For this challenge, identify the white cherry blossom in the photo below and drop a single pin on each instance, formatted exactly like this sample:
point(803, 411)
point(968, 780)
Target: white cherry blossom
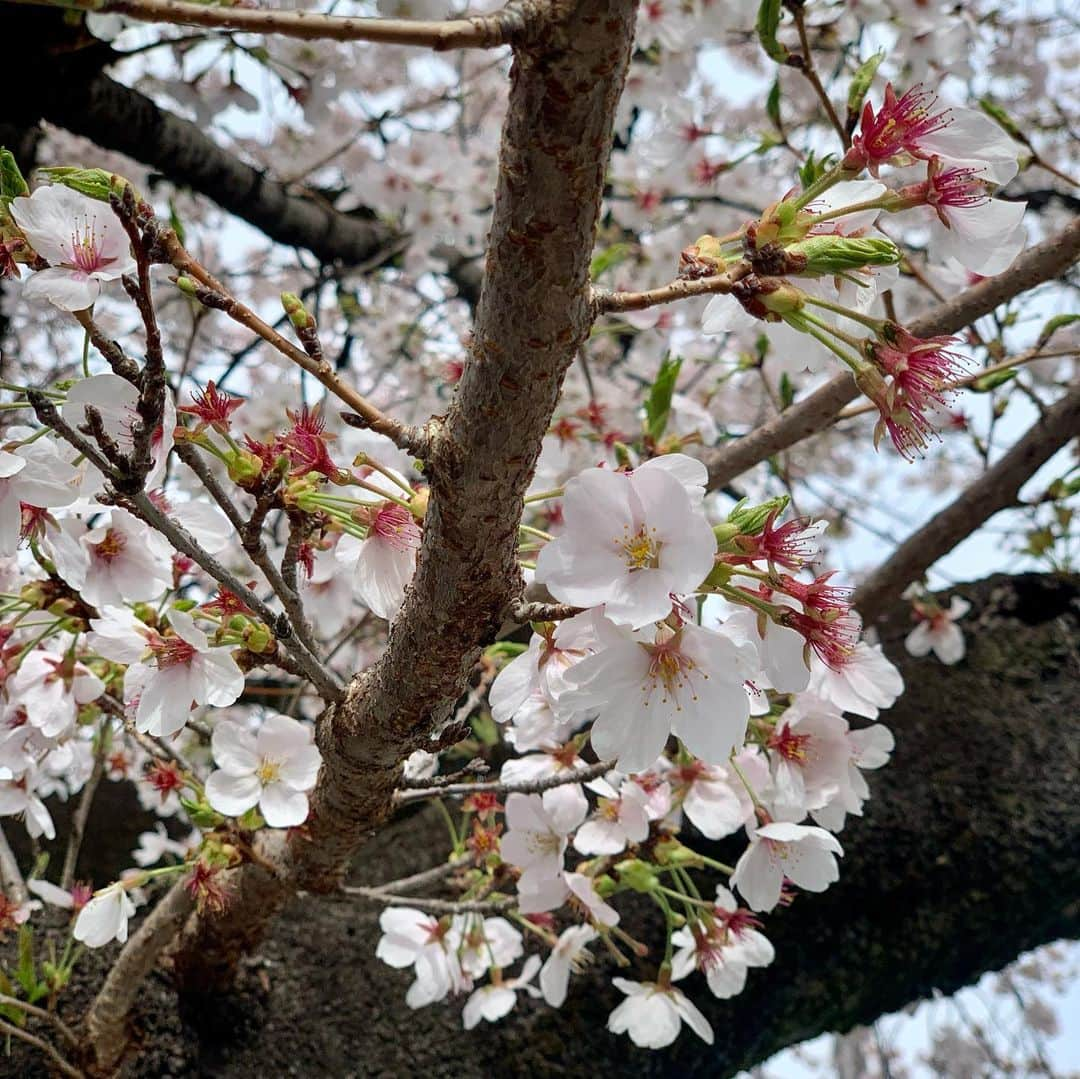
point(496, 1000)
point(105, 917)
point(630, 542)
point(687, 681)
point(273, 769)
point(569, 954)
point(803, 854)
point(653, 1015)
point(82, 239)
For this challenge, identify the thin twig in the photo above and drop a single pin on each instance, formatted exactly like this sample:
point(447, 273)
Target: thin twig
point(530, 786)
point(434, 906)
point(424, 877)
point(608, 302)
point(10, 874)
point(212, 293)
point(82, 813)
point(805, 64)
point(39, 1043)
point(50, 1017)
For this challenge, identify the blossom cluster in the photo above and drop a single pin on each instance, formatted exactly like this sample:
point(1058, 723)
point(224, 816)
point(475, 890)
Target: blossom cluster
point(711, 677)
point(819, 267)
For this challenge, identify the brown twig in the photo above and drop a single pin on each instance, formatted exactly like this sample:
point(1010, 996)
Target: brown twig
point(39, 1043)
point(996, 489)
point(1043, 262)
point(605, 303)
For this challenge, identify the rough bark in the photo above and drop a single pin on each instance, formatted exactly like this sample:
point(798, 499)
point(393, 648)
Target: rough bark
point(1043, 262)
point(532, 316)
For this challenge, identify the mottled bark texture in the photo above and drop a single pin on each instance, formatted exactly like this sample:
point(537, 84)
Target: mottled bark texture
point(79, 96)
point(969, 853)
point(1043, 262)
point(532, 316)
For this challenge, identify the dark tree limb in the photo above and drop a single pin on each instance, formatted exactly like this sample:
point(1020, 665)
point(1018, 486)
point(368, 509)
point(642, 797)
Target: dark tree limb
point(996, 489)
point(122, 119)
point(78, 96)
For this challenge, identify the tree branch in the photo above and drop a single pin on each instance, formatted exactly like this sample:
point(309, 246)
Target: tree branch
point(106, 1020)
point(512, 25)
point(996, 489)
point(121, 119)
point(1040, 263)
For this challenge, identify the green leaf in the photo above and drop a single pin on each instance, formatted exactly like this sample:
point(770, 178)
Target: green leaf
point(750, 520)
point(251, 821)
point(12, 184)
point(658, 403)
point(992, 381)
point(812, 169)
point(1058, 322)
point(772, 104)
point(861, 82)
point(608, 259)
point(768, 22)
point(509, 649)
point(485, 728)
point(1003, 120)
point(175, 223)
point(787, 392)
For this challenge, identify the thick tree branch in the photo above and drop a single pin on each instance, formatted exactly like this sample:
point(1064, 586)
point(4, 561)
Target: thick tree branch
point(106, 1020)
point(512, 25)
point(995, 490)
point(1043, 262)
point(95, 106)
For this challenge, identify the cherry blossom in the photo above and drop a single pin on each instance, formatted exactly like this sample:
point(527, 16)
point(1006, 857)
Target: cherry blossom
point(51, 687)
point(644, 688)
point(536, 837)
point(723, 947)
point(272, 769)
point(33, 474)
point(495, 1001)
point(569, 954)
point(631, 541)
point(82, 239)
point(412, 938)
point(801, 853)
point(105, 917)
point(167, 674)
point(653, 1014)
point(937, 631)
point(384, 562)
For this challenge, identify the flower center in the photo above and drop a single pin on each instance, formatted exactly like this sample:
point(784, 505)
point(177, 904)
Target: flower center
point(171, 651)
point(670, 668)
point(641, 549)
point(86, 247)
point(788, 744)
point(269, 770)
point(112, 546)
point(396, 526)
